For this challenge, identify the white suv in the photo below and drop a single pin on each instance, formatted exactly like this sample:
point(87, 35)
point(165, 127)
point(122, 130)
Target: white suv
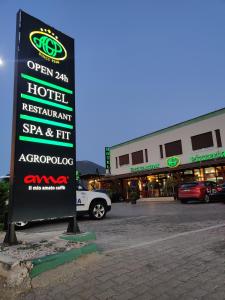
point(95, 204)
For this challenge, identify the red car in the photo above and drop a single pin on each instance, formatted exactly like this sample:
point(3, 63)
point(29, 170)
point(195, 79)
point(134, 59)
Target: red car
point(199, 190)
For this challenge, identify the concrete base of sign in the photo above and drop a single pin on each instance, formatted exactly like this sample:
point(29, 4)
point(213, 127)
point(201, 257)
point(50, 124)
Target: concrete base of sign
point(49, 262)
point(13, 271)
point(16, 270)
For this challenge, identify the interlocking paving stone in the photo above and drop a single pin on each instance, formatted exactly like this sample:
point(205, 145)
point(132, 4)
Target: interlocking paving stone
point(184, 267)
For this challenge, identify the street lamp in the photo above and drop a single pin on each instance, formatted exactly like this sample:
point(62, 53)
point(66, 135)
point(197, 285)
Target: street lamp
point(1, 62)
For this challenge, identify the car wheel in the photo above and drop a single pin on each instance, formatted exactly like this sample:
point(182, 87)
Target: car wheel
point(21, 224)
point(97, 210)
point(206, 198)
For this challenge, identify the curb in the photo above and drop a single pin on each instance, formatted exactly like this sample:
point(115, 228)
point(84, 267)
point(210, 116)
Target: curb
point(156, 201)
point(82, 237)
point(49, 262)
point(159, 199)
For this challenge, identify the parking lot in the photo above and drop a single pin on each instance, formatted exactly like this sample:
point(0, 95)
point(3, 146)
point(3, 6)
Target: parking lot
point(148, 251)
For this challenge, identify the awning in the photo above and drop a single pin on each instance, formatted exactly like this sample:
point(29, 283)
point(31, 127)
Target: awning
point(197, 165)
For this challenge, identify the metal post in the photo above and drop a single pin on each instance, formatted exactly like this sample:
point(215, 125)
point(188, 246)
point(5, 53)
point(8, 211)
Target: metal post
point(10, 237)
point(173, 184)
point(73, 226)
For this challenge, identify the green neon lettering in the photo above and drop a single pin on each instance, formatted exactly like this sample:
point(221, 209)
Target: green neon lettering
point(44, 141)
point(142, 168)
point(198, 158)
point(45, 121)
point(39, 100)
point(48, 45)
point(46, 83)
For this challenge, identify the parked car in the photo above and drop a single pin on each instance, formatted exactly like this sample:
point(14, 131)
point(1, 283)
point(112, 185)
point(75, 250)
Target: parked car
point(219, 195)
point(199, 190)
point(94, 204)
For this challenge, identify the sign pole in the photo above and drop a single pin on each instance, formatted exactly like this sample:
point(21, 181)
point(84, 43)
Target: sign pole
point(73, 225)
point(10, 237)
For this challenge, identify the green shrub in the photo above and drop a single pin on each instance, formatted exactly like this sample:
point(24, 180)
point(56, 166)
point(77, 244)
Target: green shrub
point(134, 195)
point(4, 196)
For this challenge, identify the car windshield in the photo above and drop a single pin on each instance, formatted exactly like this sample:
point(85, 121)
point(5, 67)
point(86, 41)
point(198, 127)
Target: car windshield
point(101, 190)
point(80, 187)
point(189, 185)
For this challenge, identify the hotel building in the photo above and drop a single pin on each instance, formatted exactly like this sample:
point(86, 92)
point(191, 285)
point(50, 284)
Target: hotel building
point(157, 162)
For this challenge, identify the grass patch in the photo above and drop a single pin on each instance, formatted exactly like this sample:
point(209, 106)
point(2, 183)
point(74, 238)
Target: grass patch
point(1, 226)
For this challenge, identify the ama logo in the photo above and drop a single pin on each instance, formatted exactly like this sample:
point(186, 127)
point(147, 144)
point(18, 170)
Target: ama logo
point(37, 179)
point(48, 45)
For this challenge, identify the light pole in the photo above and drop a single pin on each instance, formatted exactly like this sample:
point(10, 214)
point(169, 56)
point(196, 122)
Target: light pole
point(1, 62)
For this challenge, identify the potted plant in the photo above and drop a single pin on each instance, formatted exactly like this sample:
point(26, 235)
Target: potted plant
point(134, 195)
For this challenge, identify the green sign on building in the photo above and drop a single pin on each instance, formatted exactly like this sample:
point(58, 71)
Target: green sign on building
point(107, 158)
point(143, 168)
point(77, 175)
point(213, 155)
point(173, 162)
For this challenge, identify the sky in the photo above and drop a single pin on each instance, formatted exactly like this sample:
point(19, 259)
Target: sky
point(141, 65)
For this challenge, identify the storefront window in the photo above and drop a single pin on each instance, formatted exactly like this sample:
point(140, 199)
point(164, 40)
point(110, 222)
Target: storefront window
point(188, 172)
point(210, 174)
point(93, 185)
point(220, 174)
point(140, 185)
point(210, 170)
point(199, 174)
point(165, 184)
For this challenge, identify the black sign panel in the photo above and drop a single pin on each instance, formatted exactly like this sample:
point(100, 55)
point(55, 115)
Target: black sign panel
point(43, 144)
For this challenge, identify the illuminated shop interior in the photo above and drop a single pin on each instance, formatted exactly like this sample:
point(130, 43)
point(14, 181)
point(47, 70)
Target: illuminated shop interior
point(164, 184)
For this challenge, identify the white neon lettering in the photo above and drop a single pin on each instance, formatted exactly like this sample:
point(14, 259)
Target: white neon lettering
point(30, 158)
point(40, 68)
point(46, 112)
point(46, 93)
point(28, 128)
point(32, 88)
point(36, 158)
point(65, 135)
point(22, 158)
point(42, 159)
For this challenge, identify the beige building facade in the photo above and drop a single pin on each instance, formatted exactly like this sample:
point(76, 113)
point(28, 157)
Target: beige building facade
point(157, 162)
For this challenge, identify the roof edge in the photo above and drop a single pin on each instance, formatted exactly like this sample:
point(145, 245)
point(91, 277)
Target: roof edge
point(175, 126)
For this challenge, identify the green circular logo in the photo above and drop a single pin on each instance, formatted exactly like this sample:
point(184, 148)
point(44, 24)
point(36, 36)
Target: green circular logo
point(173, 162)
point(48, 45)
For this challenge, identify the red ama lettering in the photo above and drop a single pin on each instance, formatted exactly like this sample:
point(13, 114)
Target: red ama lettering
point(36, 179)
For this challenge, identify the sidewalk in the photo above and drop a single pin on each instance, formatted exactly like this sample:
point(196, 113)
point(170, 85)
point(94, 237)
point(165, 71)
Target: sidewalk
point(187, 267)
point(157, 199)
point(148, 251)
point(40, 252)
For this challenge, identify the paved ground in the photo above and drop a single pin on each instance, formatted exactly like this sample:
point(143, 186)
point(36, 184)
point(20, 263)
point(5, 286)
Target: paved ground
point(149, 251)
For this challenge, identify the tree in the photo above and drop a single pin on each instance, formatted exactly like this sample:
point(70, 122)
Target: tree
point(4, 196)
